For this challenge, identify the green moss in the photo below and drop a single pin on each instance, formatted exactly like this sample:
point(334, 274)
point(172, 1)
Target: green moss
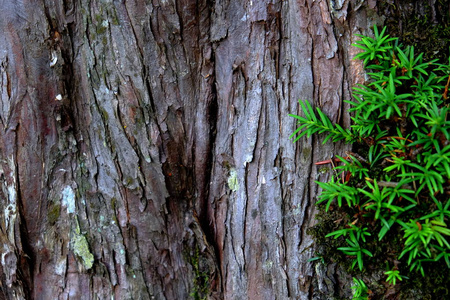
point(98, 18)
point(429, 33)
point(114, 219)
point(93, 75)
point(115, 18)
point(104, 114)
point(306, 153)
point(80, 247)
point(101, 29)
point(128, 181)
point(435, 285)
point(233, 182)
point(53, 213)
point(201, 280)
point(113, 203)
point(326, 247)
point(323, 170)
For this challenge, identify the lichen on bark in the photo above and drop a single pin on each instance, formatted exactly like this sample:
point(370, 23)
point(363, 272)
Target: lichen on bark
point(80, 247)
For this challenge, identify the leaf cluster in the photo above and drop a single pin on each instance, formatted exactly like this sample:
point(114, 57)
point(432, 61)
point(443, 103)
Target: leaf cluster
point(401, 130)
point(360, 290)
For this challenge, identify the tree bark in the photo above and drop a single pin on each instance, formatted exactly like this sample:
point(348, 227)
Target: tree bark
point(145, 148)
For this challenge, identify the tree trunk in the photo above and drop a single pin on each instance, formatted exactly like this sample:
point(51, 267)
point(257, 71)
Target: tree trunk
point(145, 148)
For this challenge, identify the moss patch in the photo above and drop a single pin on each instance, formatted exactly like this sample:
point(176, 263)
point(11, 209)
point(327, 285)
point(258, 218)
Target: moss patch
point(417, 23)
point(201, 279)
point(53, 213)
point(233, 182)
point(80, 247)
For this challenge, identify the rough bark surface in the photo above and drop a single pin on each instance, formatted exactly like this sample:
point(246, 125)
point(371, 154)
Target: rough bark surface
point(144, 145)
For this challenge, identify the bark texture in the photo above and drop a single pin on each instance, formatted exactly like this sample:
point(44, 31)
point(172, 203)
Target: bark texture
point(144, 145)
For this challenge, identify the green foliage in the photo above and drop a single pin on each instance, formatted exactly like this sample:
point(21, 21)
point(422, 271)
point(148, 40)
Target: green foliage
point(419, 241)
point(360, 290)
point(335, 190)
point(374, 48)
point(354, 166)
point(353, 248)
point(311, 124)
point(392, 276)
point(395, 185)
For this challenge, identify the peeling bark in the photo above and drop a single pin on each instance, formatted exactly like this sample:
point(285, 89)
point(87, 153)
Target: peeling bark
point(144, 145)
